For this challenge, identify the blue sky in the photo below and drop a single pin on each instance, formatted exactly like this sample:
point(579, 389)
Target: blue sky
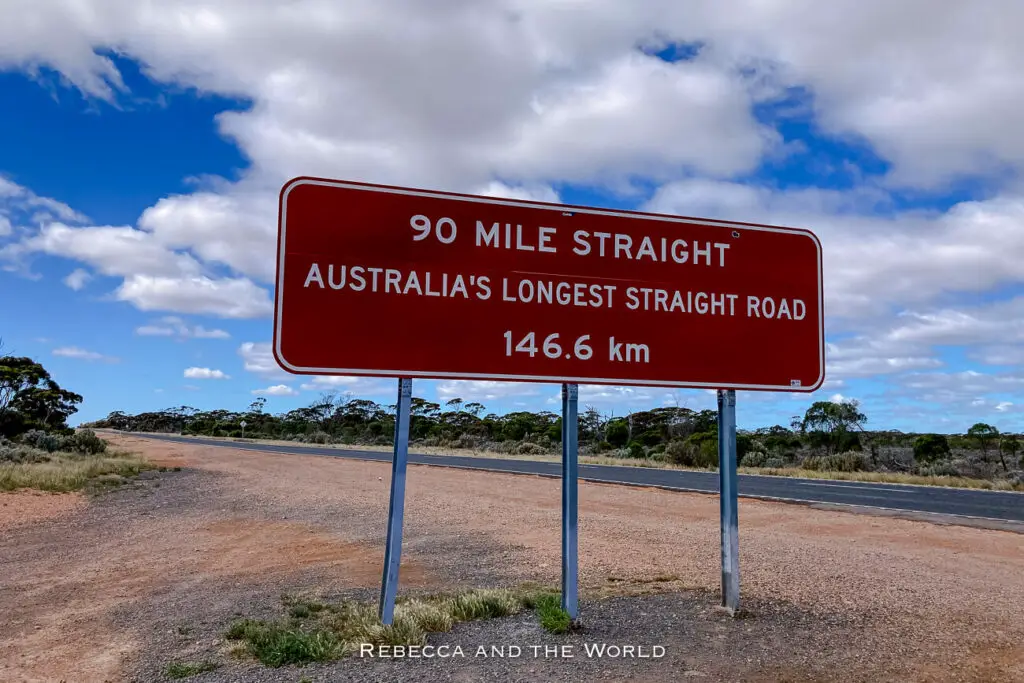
point(138, 200)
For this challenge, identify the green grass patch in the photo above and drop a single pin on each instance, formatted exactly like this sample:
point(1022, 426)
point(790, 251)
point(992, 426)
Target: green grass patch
point(552, 617)
point(280, 643)
point(63, 472)
point(186, 669)
point(311, 631)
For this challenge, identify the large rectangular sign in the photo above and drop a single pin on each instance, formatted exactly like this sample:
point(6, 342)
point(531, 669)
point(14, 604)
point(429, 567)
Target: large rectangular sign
point(388, 281)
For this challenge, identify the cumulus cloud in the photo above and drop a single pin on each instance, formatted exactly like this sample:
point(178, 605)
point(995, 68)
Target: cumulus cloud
point(199, 295)
point(82, 354)
point(258, 358)
point(77, 278)
point(173, 326)
point(204, 373)
point(486, 390)
point(276, 390)
point(875, 266)
point(355, 386)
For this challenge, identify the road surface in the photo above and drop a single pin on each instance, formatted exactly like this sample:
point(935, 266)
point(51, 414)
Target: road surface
point(994, 505)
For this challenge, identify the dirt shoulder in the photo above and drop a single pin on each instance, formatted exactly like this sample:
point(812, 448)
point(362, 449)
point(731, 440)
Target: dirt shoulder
point(154, 572)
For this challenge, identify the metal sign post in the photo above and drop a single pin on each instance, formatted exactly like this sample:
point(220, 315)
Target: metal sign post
point(570, 500)
point(728, 500)
point(396, 509)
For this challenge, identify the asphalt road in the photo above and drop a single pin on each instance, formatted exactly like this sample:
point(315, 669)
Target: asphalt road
point(994, 505)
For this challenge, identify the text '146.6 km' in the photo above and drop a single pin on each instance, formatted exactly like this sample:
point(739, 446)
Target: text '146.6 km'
point(377, 280)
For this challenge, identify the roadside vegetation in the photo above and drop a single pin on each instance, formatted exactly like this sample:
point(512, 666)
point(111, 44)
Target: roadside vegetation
point(313, 631)
point(830, 440)
point(37, 448)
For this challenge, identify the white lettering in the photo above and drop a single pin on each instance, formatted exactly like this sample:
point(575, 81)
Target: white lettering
point(623, 243)
point(698, 252)
point(580, 237)
point(753, 307)
point(314, 276)
point(487, 236)
point(544, 239)
point(721, 246)
point(330, 277)
point(647, 249)
point(356, 273)
point(682, 256)
point(412, 282)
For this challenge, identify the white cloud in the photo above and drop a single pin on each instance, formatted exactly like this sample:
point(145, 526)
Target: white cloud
point(874, 264)
point(198, 295)
point(356, 386)
point(26, 207)
point(258, 358)
point(485, 390)
point(77, 278)
point(276, 390)
point(115, 251)
point(204, 373)
point(172, 326)
point(82, 354)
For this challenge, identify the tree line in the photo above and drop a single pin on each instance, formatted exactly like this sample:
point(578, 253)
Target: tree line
point(829, 435)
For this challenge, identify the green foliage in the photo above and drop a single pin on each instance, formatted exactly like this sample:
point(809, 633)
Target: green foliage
point(754, 459)
point(617, 433)
point(931, 447)
point(21, 454)
point(829, 424)
point(527, 448)
point(178, 670)
point(31, 399)
point(44, 441)
point(84, 441)
point(278, 644)
point(552, 617)
point(850, 461)
point(636, 450)
point(484, 604)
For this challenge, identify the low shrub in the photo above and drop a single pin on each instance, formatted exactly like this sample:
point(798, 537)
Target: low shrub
point(527, 448)
point(754, 459)
point(44, 441)
point(21, 454)
point(636, 449)
point(468, 441)
point(85, 442)
point(318, 437)
point(851, 461)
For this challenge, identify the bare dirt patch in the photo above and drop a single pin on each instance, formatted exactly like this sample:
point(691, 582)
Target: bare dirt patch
point(832, 596)
point(18, 508)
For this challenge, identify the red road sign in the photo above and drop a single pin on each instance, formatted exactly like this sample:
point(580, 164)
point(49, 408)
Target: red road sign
point(397, 282)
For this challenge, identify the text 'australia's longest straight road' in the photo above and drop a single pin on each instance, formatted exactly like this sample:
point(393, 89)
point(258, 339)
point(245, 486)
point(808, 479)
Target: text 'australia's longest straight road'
point(378, 280)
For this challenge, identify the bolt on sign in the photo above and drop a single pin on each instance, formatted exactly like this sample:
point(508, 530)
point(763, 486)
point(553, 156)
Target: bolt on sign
point(398, 282)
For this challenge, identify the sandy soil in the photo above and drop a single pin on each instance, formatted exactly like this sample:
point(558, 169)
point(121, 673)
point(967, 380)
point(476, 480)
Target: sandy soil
point(97, 595)
point(18, 508)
